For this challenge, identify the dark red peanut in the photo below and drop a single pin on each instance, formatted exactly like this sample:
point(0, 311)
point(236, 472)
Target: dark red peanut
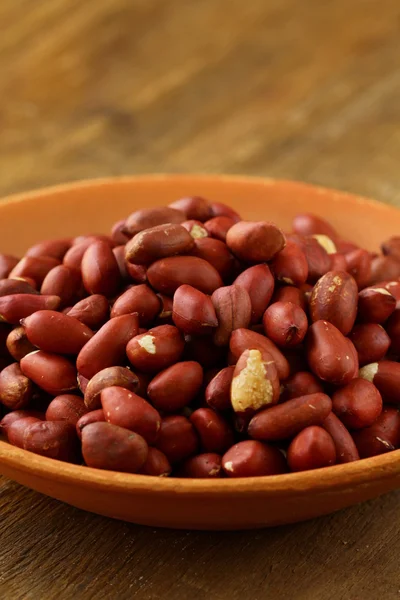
point(338, 262)
point(381, 437)
point(194, 207)
point(218, 391)
point(244, 339)
point(151, 217)
point(290, 265)
point(285, 420)
point(52, 373)
point(64, 282)
point(202, 466)
point(124, 408)
point(157, 349)
point(100, 271)
point(371, 342)
point(312, 448)
point(346, 450)
point(53, 439)
point(193, 312)
point(288, 293)
point(217, 254)
point(136, 273)
point(195, 228)
point(176, 386)
point(18, 306)
point(285, 324)
point(233, 309)
point(300, 384)
point(326, 242)
point(157, 464)
point(7, 263)
point(15, 430)
point(34, 267)
point(158, 242)
point(16, 415)
point(16, 390)
point(91, 311)
point(334, 299)
point(54, 332)
point(318, 259)
point(358, 404)
point(111, 376)
point(117, 233)
point(359, 266)
point(15, 286)
point(67, 407)
point(255, 382)
point(219, 209)
point(73, 257)
point(107, 446)
point(391, 286)
point(94, 416)
point(138, 299)
point(255, 242)
point(91, 239)
point(385, 375)
point(214, 432)
point(259, 284)
point(375, 305)
point(18, 344)
point(177, 438)
point(107, 347)
point(391, 247)
point(308, 224)
point(119, 253)
point(53, 248)
point(383, 268)
point(331, 356)
point(393, 331)
point(251, 458)
point(218, 227)
point(167, 274)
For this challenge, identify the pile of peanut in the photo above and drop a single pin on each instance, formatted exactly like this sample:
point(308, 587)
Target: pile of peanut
point(192, 343)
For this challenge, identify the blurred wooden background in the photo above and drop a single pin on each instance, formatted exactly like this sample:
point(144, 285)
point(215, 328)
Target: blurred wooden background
point(301, 90)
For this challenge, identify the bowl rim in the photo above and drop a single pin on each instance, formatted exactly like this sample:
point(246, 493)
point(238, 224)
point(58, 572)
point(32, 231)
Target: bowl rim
point(336, 477)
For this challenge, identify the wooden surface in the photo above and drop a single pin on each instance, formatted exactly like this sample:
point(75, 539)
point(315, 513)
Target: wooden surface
point(303, 90)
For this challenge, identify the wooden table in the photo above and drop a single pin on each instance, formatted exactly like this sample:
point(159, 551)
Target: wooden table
point(302, 90)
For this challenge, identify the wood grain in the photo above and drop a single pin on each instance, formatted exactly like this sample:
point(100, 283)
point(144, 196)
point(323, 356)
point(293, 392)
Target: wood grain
point(300, 90)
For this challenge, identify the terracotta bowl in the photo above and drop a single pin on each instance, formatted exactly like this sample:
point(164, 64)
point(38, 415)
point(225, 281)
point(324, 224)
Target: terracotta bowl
point(92, 206)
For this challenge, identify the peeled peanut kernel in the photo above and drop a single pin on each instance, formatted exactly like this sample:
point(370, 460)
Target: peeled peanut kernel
point(255, 382)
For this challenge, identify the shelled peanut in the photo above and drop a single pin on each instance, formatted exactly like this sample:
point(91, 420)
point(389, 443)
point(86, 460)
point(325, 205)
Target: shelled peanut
point(190, 343)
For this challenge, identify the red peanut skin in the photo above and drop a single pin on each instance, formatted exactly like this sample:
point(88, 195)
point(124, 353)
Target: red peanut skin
point(391, 286)
point(214, 432)
point(18, 344)
point(73, 257)
point(92, 311)
point(124, 408)
point(251, 458)
point(177, 438)
point(358, 404)
point(370, 341)
point(176, 386)
point(255, 241)
point(16, 286)
point(93, 416)
point(244, 339)
point(117, 234)
point(288, 293)
point(16, 390)
point(290, 265)
point(91, 238)
point(218, 391)
point(119, 253)
point(312, 448)
point(52, 373)
point(285, 324)
point(309, 224)
point(391, 247)
point(393, 330)
point(156, 350)
point(387, 380)
point(107, 446)
point(381, 437)
point(16, 430)
point(233, 309)
point(158, 242)
point(331, 356)
point(68, 408)
point(202, 466)
point(64, 282)
point(151, 217)
point(334, 299)
point(383, 267)
point(157, 464)
point(259, 284)
point(195, 228)
point(283, 421)
point(193, 312)
point(107, 347)
point(300, 384)
point(53, 439)
point(338, 262)
point(318, 259)
point(111, 376)
point(193, 207)
point(136, 273)
point(138, 299)
point(52, 331)
point(167, 274)
point(346, 450)
point(15, 307)
point(218, 227)
point(358, 264)
point(375, 306)
point(7, 263)
point(14, 416)
point(219, 209)
point(54, 248)
point(217, 254)
point(100, 271)
point(34, 267)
